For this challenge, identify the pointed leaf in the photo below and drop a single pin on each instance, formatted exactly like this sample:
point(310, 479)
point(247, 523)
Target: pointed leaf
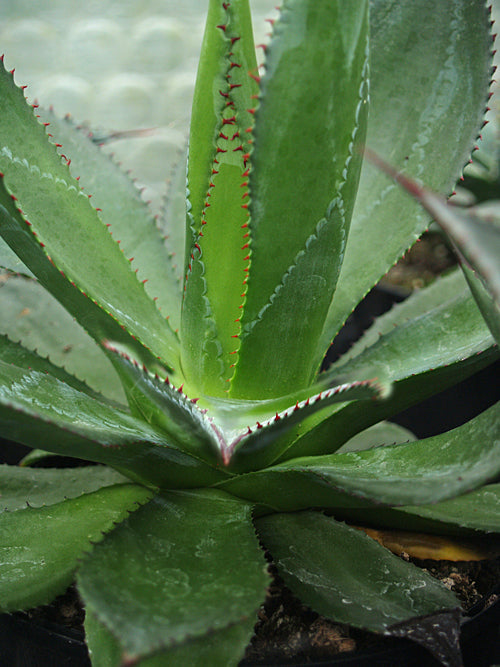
point(343, 574)
point(303, 184)
point(475, 233)
point(226, 23)
point(422, 472)
point(167, 407)
point(37, 487)
point(263, 443)
point(218, 254)
point(424, 125)
point(122, 209)
point(41, 411)
point(214, 576)
point(60, 254)
point(434, 339)
point(83, 251)
point(41, 547)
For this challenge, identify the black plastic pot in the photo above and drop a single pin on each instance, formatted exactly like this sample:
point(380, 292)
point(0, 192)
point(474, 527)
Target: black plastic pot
point(25, 643)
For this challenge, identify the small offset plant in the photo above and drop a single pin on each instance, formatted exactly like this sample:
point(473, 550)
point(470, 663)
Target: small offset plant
point(219, 436)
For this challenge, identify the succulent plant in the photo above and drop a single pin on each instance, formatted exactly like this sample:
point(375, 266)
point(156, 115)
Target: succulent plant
point(189, 367)
point(474, 231)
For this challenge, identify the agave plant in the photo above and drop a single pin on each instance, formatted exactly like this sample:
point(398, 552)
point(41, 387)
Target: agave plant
point(189, 367)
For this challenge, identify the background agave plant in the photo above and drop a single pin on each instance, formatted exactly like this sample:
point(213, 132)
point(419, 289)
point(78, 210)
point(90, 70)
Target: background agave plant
point(203, 398)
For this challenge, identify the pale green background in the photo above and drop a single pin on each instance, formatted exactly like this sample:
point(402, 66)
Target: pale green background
point(116, 64)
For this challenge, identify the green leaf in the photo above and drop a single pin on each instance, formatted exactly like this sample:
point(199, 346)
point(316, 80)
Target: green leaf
point(228, 25)
point(168, 408)
point(424, 124)
point(193, 567)
point(69, 260)
point(262, 443)
point(475, 234)
point(122, 209)
point(343, 574)
point(41, 411)
point(219, 647)
point(426, 341)
point(84, 251)
point(218, 256)
point(489, 308)
point(172, 217)
point(421, 472)
point(32, 315)
point(16, 354)
point(434, 339)
point(478, 510)
point(20, 487)
point(41, 547)
point(383, 433)
point(303, 184)
point(11, 262)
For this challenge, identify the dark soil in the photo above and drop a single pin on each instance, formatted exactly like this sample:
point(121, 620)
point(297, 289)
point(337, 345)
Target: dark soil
point(289, 632)
point(429, 257)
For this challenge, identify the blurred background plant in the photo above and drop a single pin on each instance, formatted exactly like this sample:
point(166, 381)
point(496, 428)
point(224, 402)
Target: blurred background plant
point(116, 65)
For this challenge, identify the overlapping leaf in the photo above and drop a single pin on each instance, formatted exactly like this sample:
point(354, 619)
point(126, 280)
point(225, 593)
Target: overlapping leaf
point(415, 473)
point(61, 238)
point(20, 487)
point(32, 315)
point(41, 547)
point(37, 409)
point(124, 212)
point(193, 567)
point(426, 105)
point(471, 513)
point(303, 183)
point(426, 344)
point(217, 255)
point(347, 576)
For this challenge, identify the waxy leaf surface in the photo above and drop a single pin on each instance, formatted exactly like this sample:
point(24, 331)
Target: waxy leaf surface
point(83, 251)
point(36, 487)
point(303, 183)
point(32, 315)
point(123, 211)
point(419, 472)
point(345, 575)
point(193, 566)
point(426, 105)
point(36, 408)
point(40, 548)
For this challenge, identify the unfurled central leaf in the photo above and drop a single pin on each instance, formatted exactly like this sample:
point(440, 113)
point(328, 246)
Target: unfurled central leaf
point(268, 222)
point(218, 255)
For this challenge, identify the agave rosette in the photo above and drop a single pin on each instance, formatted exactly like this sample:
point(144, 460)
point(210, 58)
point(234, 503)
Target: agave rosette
point(189, 366)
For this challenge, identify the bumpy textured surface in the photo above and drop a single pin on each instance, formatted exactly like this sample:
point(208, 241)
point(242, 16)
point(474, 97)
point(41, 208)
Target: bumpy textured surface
point(116, 65)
